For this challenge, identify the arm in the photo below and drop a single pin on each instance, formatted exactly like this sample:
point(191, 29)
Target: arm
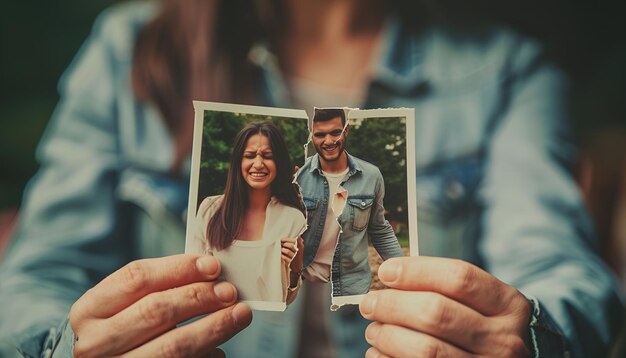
point(379, 230)
point(536, 239)
point(72, 235)
point(292, 254)
point(548, 249)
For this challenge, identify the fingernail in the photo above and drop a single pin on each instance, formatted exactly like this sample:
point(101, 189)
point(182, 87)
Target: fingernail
point(389, 271)
point(225, 291)
point(372, 332)
point(207, 265)
point(242, 315)
point(368, 304)
point(372, 353)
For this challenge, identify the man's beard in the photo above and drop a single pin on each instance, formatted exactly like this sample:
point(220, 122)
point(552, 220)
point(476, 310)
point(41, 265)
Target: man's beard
point(340, 149)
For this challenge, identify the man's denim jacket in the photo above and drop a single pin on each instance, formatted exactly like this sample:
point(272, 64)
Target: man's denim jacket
point(494, 186)
point(362, 218)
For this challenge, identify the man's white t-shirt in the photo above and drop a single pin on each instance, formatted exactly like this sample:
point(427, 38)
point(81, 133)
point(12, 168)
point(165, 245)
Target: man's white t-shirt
point(319, 269)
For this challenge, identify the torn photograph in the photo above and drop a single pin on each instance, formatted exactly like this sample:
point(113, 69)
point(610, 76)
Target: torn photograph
point(244, 206)
point(358, 186)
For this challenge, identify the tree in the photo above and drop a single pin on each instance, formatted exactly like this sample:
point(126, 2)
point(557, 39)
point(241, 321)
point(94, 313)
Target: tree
point(382, 142)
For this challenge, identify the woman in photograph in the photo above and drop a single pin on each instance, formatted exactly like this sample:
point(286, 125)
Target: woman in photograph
point(254, 227)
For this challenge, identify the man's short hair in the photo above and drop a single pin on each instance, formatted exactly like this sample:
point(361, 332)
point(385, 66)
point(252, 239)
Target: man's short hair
point(326, 114)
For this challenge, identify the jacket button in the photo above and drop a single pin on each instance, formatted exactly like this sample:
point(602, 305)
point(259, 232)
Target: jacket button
point(455, 190)
point(362, 203)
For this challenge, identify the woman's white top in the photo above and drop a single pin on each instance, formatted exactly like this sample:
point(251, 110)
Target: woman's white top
point(254, 267)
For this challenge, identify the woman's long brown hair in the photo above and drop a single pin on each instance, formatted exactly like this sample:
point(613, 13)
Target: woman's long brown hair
point(225, 225)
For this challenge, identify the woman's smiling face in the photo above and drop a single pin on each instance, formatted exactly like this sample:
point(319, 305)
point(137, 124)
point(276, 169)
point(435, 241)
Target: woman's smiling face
point(257, 164)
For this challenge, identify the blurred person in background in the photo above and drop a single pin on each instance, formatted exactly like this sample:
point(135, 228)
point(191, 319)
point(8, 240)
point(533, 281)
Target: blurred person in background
point(494, 177)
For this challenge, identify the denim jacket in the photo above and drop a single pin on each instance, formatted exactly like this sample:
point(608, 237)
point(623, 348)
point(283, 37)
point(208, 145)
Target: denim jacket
point(363, 218)
point(494, 186)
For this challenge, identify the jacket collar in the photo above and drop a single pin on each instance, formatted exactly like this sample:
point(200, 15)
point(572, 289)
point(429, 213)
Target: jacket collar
point(399, 66)
point(353, 166)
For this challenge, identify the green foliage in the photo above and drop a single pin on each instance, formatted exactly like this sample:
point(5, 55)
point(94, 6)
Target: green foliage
point(219, 131)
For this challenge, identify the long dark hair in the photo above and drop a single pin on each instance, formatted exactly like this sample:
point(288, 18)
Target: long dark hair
point(225, 225)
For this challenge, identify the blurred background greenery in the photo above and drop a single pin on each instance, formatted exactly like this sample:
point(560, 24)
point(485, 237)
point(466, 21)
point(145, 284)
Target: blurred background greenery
point(37, 41)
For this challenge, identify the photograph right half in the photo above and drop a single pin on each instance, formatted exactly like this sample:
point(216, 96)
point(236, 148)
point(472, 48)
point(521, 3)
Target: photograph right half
point(358, 186)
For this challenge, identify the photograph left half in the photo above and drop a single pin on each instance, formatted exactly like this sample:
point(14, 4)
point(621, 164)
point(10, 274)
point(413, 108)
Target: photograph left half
point(244, 206)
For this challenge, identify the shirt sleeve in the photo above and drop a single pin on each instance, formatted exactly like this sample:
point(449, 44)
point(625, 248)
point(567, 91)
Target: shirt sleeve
point(379, 229)
point(537, 235)
point(67, 238)
point(197, 229)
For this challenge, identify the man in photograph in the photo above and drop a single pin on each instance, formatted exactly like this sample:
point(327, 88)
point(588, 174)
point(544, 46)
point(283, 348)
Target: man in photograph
point(344, 200)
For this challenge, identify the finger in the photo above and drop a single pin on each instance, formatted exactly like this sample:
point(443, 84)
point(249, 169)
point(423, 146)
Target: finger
point(456, 279)
point(139, 278)
point(288, 252)
point(396, 341)
point(199, 338)
point(154, 314)
point(291, 248)
point(430, 313)
point(374, 353)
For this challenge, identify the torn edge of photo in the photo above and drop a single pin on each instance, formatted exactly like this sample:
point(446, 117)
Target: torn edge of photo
point(350, 215)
